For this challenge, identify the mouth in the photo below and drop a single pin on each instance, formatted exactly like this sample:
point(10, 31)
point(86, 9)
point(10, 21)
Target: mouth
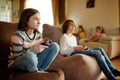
point(38, 25)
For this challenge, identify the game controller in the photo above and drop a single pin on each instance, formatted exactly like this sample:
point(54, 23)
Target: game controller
point(47, 42)
point(85, 47)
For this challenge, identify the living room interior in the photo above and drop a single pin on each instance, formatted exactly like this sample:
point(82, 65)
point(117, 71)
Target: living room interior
point(104, 13)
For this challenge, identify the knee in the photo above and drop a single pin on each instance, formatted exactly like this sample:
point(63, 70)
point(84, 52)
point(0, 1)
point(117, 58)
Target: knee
point(97, 53)
point(32, 57)
point(54, 46)
point(100, 48)
point(27, 62)
point(32, 62)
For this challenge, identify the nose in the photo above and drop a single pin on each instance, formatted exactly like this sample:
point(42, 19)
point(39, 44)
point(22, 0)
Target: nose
point(38, 21)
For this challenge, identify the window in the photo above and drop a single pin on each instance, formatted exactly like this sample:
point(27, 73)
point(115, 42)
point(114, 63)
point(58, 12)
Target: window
point(45, 9)
point(6, 10)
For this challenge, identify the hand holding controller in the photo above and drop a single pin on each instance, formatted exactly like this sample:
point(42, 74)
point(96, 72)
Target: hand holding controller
point(47, 42)
point(85, 47)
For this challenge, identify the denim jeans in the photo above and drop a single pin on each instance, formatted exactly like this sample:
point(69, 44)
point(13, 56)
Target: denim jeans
point(31, 62)
point(46, 57)
point(104, 62)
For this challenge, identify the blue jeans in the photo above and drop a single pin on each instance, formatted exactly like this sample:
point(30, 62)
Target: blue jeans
point(46, 57)
point(31, 62)
point(102, 59)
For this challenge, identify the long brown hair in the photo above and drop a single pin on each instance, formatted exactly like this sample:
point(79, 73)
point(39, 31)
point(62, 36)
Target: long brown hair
point(24, 18)
point(80, 26)
point(66, 25)
point(101, 28)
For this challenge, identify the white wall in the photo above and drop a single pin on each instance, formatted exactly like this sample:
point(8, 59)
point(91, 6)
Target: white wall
point(105, 13)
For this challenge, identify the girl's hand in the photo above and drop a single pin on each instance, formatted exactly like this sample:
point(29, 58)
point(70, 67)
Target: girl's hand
point(35, 45)
point(79, 47)
point(40, 41)
point(40, 48)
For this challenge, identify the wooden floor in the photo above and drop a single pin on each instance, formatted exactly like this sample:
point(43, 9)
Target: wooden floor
point(116, 63)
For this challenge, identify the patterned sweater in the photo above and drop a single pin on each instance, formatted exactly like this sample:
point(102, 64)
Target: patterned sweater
point(20, 44)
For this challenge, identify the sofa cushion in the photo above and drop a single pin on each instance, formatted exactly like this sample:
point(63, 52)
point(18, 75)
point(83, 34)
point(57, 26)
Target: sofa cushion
point(51, 32)
point(55, 74)
point(89, 32)
point(6, 30)
point(78, 67)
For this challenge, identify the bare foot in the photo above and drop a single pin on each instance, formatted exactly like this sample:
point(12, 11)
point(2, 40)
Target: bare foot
point(42, 71)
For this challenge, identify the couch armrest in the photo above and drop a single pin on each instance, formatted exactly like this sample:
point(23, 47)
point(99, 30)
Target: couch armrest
point(114, 44)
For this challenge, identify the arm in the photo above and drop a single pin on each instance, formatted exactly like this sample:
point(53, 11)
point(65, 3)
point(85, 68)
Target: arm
point(19, 45)
point(94, 37)
point(16, 47)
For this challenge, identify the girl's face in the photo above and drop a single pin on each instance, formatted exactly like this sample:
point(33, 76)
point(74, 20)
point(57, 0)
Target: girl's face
point(79, 29)
point(34, 21)
point(98, 30)
point(71, 27)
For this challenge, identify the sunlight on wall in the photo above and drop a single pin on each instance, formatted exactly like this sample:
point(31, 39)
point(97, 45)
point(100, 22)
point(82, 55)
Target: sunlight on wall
point(45, 9)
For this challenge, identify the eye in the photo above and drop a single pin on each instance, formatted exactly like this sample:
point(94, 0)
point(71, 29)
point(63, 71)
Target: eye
point(35, 18)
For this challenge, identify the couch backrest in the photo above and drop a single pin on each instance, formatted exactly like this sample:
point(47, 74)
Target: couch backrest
point(112, 31)
point(52, 32)
point(6, 30)
point(108, 31)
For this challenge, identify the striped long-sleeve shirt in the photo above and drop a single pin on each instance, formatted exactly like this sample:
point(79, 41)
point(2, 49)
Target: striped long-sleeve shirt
point(20, 43)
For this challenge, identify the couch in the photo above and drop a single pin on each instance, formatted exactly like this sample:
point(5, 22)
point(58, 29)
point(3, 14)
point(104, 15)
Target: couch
point(110, 43)
point(77, 67)
point(6, 30)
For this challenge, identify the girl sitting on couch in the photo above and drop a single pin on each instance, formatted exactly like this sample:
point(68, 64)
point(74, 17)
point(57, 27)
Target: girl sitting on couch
point(97, 35)
point(29, 53)
point(69, 47)
point(81, 32)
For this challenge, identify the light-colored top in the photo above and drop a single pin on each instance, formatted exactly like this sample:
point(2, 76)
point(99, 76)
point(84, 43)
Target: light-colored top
point(66, 44)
